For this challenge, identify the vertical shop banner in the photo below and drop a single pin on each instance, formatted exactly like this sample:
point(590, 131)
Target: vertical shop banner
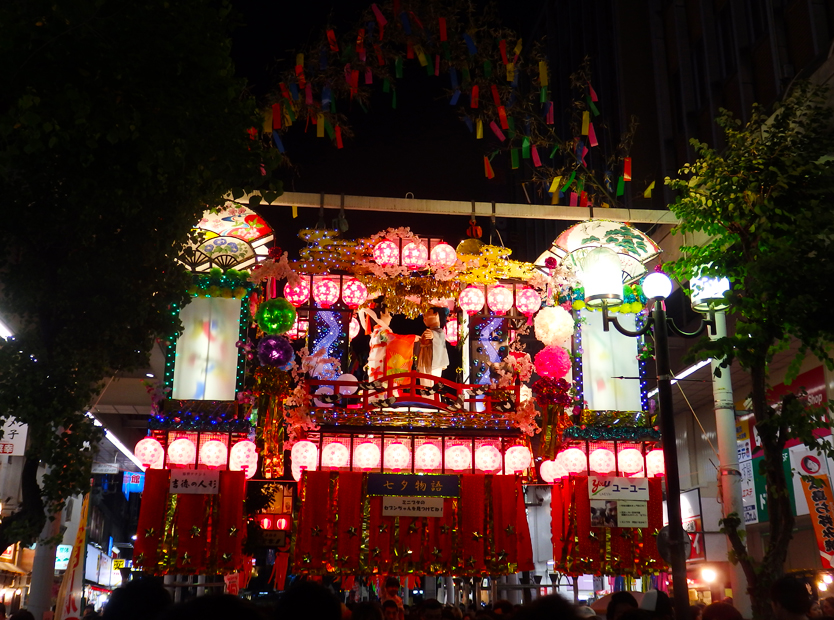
point(818, 495)
point(68, 605)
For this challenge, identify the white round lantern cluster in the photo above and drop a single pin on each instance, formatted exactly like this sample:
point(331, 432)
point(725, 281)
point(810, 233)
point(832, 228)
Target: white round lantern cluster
point(518, 458)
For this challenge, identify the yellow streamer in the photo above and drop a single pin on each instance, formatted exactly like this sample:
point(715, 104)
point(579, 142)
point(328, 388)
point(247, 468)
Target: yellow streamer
point(299, 60)
point(421, 56)
point(543, 72)
point(294, 211)
point(648, 192)
point(517, 49)
point(320, 126)
point(479, 129)
point(555, 185)
point(586, 119)
point(510, 72)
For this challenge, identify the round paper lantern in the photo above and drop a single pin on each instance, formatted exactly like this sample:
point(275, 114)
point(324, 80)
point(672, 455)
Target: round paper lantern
point(452, 331)
point(346, 390)
point(553, 362)
point(415, 256)
point(443, 256)
point(281, 523)
point(427, 457)
point(297, 294)
point(602, 461)
point(244, 457)
point(471, 300)
point(551, 470)
point(304, 455)
point(275, 351)
point(655, 465)
point(182, 451)
point(499, 299)
point(265, 523)
point(488, 459)
point(325, 292)
point(335, 454)
point(213, 453)
point(386, 253)
point(299, 329)
point(518, 458)
point(573, 460)
point(353, 328)
point(630, 461)
point(366, 456)
point(275, 316)
point(458, 458)
point(397, 456)
point(323, 390)
point(354, 293)
point(149, 451)
point(528, 302)
point(554, 325)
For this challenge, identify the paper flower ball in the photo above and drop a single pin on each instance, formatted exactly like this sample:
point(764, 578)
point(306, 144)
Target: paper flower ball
point(499, 299)
point(427, 457)
point(488, 459)
point(471, 300)
point(297, 294)
point(275, 351)
point(554, 325)
point(182, 451)
point(443, 256)
point(354, 293)
point(150, 452)
point(553, 362)
point(386, 253)
point(275, 316)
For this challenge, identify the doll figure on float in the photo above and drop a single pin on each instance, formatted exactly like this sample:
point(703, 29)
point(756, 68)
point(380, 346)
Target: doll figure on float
point(432, 357)
point(389, 353)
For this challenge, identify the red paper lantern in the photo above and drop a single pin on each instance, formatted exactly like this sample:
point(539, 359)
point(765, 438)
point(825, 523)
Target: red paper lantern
point(630, 461)
point(353, 328)
point(602, 461)
point(415, 256)
point(518, 458)
point(458, 458)
point(427, 457)
point(265, 523)
point(471, 300)
point(213, 453)
point(386, 253)
point(182, 451)
point(499, 299)
point(298, 294)
point(354, 293)
point(551, 470)
point(528, 302)
point(366, 456)
point(553, 362)
point(335, 454)
point(573, 460)
point(282, 523)
point(452, 331)
point(149, 452)
point(655, 465)
point(397, 456)
point(299, 329)
point(244, 457)
point(443, 256)
point(325, 292)
point(488, 459)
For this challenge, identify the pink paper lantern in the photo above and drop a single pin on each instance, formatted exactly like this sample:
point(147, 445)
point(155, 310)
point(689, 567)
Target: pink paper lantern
point(354, 293)
point(386, 253)
point(553, 362)
point(499, 299)
point(452, 331)
point(471, 300)
point(366, 456)
point(528, 302)
point(573, 460)
point(655, 465)
point(397, 456)
point(488, 459)
point(244, 457)
point(518, 458)
point(304, 455)
point(214, 453)
point(299, 329)
point(427, 457)
point(182, 451)
point(630, 461)
point(458, 458)
point(298, 294)
point(325, 292)
point(415, 256)
point(149, 452)
point(353, 328)
point(602, 461)
point(443, 256)
point(335, 454)
point(552, 470)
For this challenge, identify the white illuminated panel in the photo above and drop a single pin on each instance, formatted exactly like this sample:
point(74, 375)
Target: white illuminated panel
point(607, 355)
point(206, 362)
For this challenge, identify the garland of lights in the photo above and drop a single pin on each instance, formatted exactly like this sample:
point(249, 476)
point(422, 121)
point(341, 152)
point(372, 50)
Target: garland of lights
point(217, 283)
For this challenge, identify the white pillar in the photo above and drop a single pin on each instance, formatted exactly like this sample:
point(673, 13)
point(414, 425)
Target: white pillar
point(43, 570)
point(730, 475)
point(450, 590)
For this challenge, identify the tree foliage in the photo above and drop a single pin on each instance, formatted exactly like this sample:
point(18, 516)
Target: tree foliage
point(120, 122)
point(767, 204)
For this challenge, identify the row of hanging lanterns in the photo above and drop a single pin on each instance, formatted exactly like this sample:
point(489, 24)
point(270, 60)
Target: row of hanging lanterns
point(499, 299)
point(415, 256)
point(326, 292)
point(243, 455)
point(628, 461)
point(397, 457)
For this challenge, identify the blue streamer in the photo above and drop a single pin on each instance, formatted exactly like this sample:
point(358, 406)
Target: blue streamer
point(325, 99)
point(277, 140)
point(294, 91)
point(406, 23)
point(469, 124)
point(455, 97)
point(370, 30)
point(470, 44)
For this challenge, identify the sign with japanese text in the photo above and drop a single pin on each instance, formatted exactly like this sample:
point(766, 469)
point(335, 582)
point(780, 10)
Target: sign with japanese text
point(13, 442)
point(194, 481)
point(133, 481)
point(609, 487)
point(818, 494)
point(412, 506)
point(118, 563)
point(414, 485)
point(62, 556)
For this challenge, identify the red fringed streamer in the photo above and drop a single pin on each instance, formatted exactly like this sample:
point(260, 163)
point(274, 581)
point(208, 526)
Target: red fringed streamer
point(409, 50)
point(350, 518)
point(550, 114)
point(381, 531)
point(151, 516)
point(379, 56)
point(331, 39)
point(339, 144)
point(502, 45)
point(192, 534)
point(285, 92)
point(229, 530)
point(360, 40)
point(583, 199)
point(495, 96)
point(627, 169)
point(473, 523)
point(592, 92)
point(502, 116)
point(488, 168)
point(473, 98)
point(299, 73)
point(380, 18)
point(442, 23)
point(276, 116)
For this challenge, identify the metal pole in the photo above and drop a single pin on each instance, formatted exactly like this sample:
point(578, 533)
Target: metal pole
point(670, 458)
point(730, 475)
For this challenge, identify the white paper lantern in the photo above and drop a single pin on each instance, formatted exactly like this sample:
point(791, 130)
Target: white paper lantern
point(488, 459)
point(324, 390)
point(554, 325)
point(630, 461)
point(182, 451)
point(427, 457)
point(551, 471)
point(655, 466)
point(335, 454)
point(305, 456)
point(353, 329)
point(602, 461)
point(346, 390)
point(366, 456)
point(244, 457)
point(149, 451)
point(573, 460)
point(214, 453)
point(471, 300)
point(397, 456)
point(458, 458)
point(518, 458)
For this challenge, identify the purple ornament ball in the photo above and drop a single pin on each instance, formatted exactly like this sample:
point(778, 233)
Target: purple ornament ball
point(275, 351)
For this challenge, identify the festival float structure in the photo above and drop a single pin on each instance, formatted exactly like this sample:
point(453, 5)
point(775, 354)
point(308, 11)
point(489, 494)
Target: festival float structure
point(399, 471)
